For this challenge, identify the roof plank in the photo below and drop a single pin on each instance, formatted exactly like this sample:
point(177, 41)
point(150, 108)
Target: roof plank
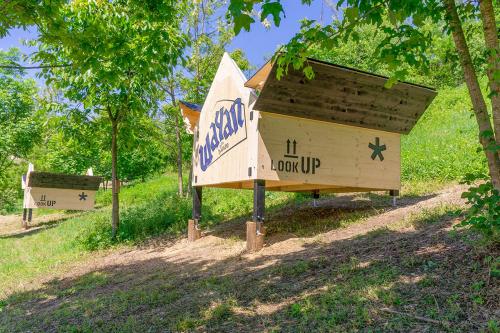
point(62, 181)
point(345, 96)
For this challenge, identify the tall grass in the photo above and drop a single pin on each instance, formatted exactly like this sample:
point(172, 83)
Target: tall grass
point(154, 208)
point(444, 144)
point(163, 213)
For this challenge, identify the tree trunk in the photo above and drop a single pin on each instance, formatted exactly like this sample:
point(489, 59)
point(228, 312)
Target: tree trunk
point(179, 155)
point(171, 92)
point(115, 213)
point(190, 179)
point(478, 102)
point(491, 38)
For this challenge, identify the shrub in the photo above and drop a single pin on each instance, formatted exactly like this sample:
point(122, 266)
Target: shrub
point(484, 211)
point(166, 213)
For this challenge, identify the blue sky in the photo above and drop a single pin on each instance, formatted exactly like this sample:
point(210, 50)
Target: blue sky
point(258, 44)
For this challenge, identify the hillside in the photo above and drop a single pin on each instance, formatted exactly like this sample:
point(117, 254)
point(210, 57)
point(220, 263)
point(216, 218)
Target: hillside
point(351, 263)
point(348, 263)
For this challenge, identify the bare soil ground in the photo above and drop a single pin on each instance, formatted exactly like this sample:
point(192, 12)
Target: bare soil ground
point(352, 263)
point(11, 225)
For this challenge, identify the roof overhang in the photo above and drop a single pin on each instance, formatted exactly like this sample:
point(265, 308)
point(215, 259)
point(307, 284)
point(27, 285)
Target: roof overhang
point(341, 95)
point(62, 181)
point(190, 115)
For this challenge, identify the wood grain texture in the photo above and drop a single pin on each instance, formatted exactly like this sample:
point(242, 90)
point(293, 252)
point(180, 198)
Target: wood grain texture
point(345, 96)
point(325, 154)
point(35, 197)
point(258, 80)
point(321, 155)
point(61, 181)
point(190, 117)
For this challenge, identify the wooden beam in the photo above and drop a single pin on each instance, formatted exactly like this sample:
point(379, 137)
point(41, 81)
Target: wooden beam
point(258, 80)
point(197, 202)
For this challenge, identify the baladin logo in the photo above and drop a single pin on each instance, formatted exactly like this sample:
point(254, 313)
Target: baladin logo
point(225, 131)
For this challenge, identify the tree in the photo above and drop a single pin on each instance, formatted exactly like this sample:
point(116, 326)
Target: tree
point(172, 119)
point(405, 42)
point(19, 125)
point(24, 13)
point(209, 35)
point(74, 141)
point(444, 66)
point(117, 54)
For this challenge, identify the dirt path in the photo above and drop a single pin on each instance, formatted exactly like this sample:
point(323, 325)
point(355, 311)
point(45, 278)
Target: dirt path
point(12, 224)
point(227, 241)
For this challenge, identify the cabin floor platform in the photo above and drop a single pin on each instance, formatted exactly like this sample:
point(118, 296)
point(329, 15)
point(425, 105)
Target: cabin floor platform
point(287, 186)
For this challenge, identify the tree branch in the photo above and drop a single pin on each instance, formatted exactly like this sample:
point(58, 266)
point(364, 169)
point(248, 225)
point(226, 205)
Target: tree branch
point(34, 67)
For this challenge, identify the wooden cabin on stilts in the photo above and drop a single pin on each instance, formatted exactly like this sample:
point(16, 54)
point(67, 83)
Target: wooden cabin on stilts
point(339, 132)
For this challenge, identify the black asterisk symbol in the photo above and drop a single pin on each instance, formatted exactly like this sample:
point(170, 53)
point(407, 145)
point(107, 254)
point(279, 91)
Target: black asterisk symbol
point(377, 149)
point(83, 196)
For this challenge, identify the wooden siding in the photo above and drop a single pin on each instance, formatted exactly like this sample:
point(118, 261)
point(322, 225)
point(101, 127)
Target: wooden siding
point(232, 159)
point(328, 155)
point(190, 117)
point(56, 198)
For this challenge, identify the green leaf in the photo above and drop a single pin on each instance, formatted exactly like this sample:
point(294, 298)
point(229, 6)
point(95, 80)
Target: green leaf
point(242, 21)
point(309, 72)
point(279, 72)
point(493, 147)
point(418, 19)
point(486, 134)
point(351, 13)
point(390, 82)
point(272, 8)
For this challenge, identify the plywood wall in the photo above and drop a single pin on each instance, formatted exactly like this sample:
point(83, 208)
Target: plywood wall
point(36, 197)
point(313, 152)
point(233, 157)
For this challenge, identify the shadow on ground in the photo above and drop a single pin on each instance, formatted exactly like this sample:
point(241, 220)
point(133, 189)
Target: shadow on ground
point(37, 226)
point(306, 218)
point(380, 281)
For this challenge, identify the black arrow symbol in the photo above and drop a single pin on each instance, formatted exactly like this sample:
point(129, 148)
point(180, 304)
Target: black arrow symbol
point(294, 146)
point(288, 146)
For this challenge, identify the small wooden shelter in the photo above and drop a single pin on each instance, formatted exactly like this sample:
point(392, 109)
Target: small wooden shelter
point(339, 132)
point(57, 191)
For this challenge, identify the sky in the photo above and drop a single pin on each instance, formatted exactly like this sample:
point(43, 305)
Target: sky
point(258, 44)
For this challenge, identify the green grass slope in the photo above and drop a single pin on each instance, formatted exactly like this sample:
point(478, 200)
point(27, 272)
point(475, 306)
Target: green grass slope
point(443, 145)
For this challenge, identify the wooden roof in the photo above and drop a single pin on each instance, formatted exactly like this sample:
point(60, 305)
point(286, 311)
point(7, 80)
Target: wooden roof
point(55, 180)
point(190, 115)
point(341, 95)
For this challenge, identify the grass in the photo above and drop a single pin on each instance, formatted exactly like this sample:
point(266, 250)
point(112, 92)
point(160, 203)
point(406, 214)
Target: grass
point(341, 287)
point(443, 145)
point(147, 210)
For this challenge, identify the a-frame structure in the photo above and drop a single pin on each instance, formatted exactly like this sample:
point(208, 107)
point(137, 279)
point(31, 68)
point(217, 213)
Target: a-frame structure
point(337, 133)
